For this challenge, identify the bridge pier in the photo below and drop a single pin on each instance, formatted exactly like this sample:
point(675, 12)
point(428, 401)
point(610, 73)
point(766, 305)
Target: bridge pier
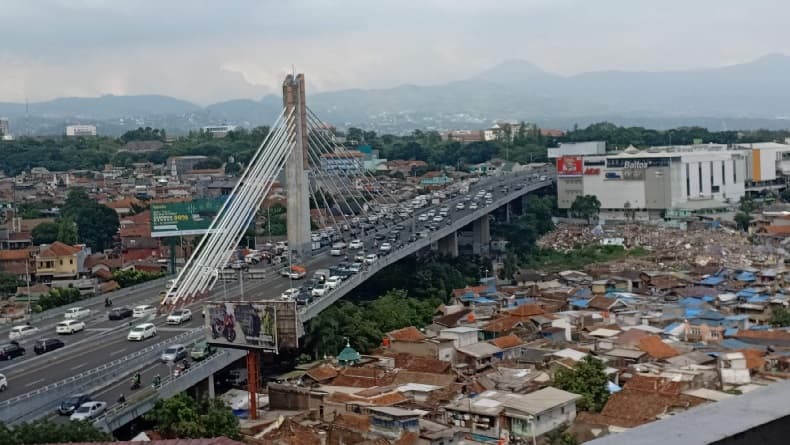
point(481, 235)
point(448, 245)
point(296, 167)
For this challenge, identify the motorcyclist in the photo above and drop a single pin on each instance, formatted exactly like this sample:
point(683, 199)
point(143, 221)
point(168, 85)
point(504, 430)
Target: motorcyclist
point(136, 380)
point(121, 399)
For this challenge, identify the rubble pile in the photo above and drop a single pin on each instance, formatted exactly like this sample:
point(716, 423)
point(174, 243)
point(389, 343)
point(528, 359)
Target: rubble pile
point(668, 248)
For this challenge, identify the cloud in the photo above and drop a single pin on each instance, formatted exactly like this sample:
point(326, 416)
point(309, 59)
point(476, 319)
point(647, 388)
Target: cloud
point(204, 51)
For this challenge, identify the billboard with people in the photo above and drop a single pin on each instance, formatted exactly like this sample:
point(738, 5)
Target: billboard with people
point(184, 218)
point(569, 166)
point(266, 325)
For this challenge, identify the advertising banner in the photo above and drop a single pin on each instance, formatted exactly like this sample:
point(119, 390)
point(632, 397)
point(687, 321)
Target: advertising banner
point(264, 325)
point(184, 218)
point(569, 166)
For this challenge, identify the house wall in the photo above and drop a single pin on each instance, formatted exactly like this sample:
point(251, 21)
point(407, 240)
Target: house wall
point(544, 422)
point(414, 348)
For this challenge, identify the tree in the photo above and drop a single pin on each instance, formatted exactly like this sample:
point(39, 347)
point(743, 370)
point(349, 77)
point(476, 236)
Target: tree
point(586, 207)
point(780, 317)
point(45, 233)
point(742, 220)
point(44, 431)
point(587, 379)
point(183, 417)
point(9, 283)
point(630, 213)
point(67, 231)
point(232, 168)
point(97, 224)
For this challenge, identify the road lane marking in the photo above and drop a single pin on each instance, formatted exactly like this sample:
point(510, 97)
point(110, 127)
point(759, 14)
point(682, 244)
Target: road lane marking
point(117, 352)
point(34, 383)
point(81, 365)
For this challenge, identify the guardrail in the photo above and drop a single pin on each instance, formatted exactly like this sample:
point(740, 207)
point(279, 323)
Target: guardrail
point(38, 403)
point(141, 402)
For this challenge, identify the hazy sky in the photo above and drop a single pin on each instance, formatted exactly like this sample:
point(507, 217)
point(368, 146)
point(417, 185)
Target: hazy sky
point(206, 51)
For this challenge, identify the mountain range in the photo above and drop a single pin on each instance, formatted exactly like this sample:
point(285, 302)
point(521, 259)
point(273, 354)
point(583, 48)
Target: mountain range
point(748, 95)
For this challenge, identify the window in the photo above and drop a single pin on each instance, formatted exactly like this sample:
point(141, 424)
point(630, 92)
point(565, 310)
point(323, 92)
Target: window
point(71, 261)
point(61, 262)
point(715, 188)
point(562, 410)
point(723, 174)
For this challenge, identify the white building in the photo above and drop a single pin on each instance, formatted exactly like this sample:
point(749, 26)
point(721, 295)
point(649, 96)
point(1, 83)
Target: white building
point(80, 130)
point(768, 165)
point(219, 131)
point(656, 180)
point(578, 149)
point(5, 129)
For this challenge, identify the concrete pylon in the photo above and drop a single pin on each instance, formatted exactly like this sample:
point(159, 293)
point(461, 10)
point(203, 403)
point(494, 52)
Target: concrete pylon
point(296, 179)
point(449, 245)
point(481, 235)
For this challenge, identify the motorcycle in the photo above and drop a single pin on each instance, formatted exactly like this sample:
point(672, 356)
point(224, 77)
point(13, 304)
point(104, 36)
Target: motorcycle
point(107, 303)
point(135, 385)
point(181, 368)
point(224, 327)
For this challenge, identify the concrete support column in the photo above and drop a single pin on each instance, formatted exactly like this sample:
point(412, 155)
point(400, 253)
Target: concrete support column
point(481, 235)
point(449, 245)
point(296, 180)
point(508, 211)
point(211, 394)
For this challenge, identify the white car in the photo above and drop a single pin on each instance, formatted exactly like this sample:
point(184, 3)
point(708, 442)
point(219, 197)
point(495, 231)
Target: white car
point(141, 332)
point(143, 310)
point(360, 257)
point(3, 383)
point(336, 251)
point(459, 206)
point(69, 327)
point(385, 247)
point(423, 217)
point(438, 218)
point(473, 206)
point(370, 259)
point(88, 410)
point(179, 316)
point(489, 202)
point(289, 294)
point(333, 282)
point(356, 244)
point(18, 332)
point(77, 312)
point(319, 291)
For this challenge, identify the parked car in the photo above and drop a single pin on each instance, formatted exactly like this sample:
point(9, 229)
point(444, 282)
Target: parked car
point(89, 410)
point(356, 244)
point(11, 350)
point(141, 332)
point(174, 353)
point(47, 344)
point(179, 316)
point(201, 350)
point(71, 403)
point(119, 313)
point(77, 312)
point(3, 383)
point(143, 310)
point(19, 332)
point(69, 326)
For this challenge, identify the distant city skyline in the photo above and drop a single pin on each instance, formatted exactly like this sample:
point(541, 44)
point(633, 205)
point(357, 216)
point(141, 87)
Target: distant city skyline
point(200, 52)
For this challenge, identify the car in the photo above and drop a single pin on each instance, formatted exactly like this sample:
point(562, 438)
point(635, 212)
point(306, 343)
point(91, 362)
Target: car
point(379, 236)
point(473, 206)
point(173, 353)
point(385, 247)
point(88, 410)
point(69, 327)
point(179, 316)
point(319, 291)
point(11, 350)
point(143, 310)
point(460, 206)
point(3, 383)
point(370, 259)
point(356, 244)
point(119, 313)
point(19, 332)
point(304, 298)
point(333, 282)
point(141, 332)
point(489, 202)
point(77, 312)
point(336, 251)
point(71, 403)
point(423, 217)
point(201, 350)
point(360, 257)
point(47, 344)
point(355, 267)
point(289, 294)
point(438, 218)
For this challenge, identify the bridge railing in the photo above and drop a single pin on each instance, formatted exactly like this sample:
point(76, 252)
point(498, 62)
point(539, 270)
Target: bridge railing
point(39, 403)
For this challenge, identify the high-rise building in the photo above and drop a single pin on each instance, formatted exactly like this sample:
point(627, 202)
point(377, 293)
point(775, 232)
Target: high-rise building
point(81, 130)
point(5, 130)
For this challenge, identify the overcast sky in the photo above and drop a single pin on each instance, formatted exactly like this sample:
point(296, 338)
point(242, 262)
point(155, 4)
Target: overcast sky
point(206, 51)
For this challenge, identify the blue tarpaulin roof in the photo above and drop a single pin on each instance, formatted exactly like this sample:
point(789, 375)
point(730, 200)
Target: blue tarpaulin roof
point(745, 276)
point(580, 303)
point(691, 301)
point(692, 312)
point(672, 327)
point(712, 280)
point(729, 332)
point(737, 317)
point(710, 314)
point(760, 328)
point(613, 388)
point(748, 292)
point(758, 299)
point(708, 299)
point(731, 343)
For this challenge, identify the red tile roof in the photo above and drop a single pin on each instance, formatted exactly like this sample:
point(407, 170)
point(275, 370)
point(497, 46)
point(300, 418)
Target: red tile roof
point(601, 303)
point(527, 310)
point(774, 335)
point(469, 289)
point(14, 255)
point(502, 324)
point(629, 408)
point(754, 358)
point(354, 422)
point(426, 378)
point(214, 441)
point(506, 342)
point(419, 363)
point(407, 334)
point(58, 249)
point(658, 385)
point(631, 337)
point(322, 373)
point(656, 348)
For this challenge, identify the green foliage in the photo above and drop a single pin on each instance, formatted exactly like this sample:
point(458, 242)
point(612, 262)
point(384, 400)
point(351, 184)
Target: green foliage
point(45, 233)
point(45, 431)
point(67, 231)
point(144, 134)
point(780, 317)
point(9, 283)
point(131, 277)
point(182, 417)
point(554, 261)
point(208, 164)
point(59, 297)
point(33, 210)
point(587, 379)
point(522, 232)
point(747, 204)
point(233, 168)
point(742, 220)
point(560, 437)
point(97, 225)
point(586, 207)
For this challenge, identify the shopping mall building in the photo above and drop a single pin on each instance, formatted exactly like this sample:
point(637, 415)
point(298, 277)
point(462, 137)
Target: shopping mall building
point(670, 181)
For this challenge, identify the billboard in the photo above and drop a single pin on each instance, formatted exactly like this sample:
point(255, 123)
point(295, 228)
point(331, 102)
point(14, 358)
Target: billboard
point(569, 166)
point(184, 218)
point(264, 325)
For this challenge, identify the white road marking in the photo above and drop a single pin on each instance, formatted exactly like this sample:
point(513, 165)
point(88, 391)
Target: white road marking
point(81, 365)
point(117, 352)
point(34, 383)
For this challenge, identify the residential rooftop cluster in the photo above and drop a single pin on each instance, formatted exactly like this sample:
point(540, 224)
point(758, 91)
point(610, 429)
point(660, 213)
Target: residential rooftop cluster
point(670, 339)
